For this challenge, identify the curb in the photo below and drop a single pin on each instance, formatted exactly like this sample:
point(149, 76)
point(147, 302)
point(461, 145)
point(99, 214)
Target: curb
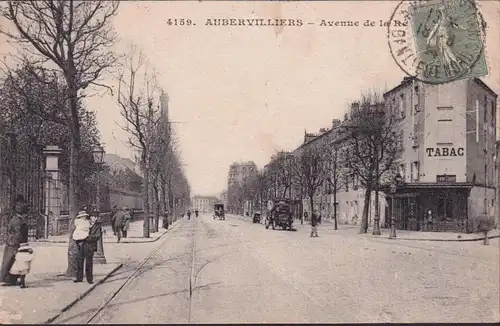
point(83, 295)
point(445, 240)
point(129, 242)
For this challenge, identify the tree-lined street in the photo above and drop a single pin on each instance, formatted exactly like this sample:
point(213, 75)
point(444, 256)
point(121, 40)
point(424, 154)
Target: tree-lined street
point(244, 273)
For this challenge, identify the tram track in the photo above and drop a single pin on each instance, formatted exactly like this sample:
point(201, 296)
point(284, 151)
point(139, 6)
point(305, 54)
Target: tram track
point(141, 269)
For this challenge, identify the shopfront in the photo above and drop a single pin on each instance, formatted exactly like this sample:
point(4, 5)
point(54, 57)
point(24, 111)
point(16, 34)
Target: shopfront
point(430, 207)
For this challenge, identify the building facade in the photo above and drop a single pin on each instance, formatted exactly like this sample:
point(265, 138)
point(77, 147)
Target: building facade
point(223, 198)
point(448, 163)
point(350, 196)
point(204, 204)
point(240, 172)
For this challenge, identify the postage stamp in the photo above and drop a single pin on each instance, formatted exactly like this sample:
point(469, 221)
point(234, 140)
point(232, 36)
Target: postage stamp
point(438, 41)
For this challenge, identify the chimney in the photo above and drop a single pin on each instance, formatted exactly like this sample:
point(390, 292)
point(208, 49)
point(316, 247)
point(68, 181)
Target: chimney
point(335, 123)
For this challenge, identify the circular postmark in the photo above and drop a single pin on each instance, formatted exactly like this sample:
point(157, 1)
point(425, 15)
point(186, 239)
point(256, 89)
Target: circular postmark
point(438, 41)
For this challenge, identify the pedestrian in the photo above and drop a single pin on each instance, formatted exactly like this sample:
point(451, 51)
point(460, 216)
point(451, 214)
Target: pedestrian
point(305, 217)
point(122, 223)
point(17, 234)
point(189, 214)
point(22, 263)
point(165, 220)
point(112, 218)
point(196, 213)
point(84, 256)
point(314, 224)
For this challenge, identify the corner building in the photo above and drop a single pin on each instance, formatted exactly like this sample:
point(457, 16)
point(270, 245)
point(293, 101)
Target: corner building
point(448, 164)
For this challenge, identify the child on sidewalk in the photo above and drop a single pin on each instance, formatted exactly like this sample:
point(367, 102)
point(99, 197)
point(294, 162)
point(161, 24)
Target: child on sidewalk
point(22, 263)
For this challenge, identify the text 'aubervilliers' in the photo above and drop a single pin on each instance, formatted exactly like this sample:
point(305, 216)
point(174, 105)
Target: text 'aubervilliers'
point(253, 22)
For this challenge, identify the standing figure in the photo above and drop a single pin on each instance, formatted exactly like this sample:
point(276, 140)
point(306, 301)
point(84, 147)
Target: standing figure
point(314, 224)
point(189, 214)
point(165, 220)
point(95, 234)
point(196, 213)
point(80, 235)
point(112, 218)
point(17, 233)
point(122, 223)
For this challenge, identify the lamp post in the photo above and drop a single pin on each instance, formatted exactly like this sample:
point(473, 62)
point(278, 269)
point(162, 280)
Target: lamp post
point(394, 185)
point(98, 153)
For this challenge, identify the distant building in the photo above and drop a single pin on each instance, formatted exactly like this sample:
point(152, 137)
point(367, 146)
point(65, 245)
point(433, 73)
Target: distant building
point(164, 105)
point(204, 204)
point(240, 172)
point(223, 198)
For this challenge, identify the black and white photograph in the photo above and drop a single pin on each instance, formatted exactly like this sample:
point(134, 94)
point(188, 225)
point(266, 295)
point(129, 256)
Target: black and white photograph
point(249, 162)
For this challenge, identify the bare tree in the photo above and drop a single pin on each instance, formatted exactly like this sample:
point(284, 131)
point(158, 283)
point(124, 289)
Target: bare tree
point(161, 161)
point(74, 38)
point(334, 171)
point(372, 148)
point(138, 95)
point(284, 173)
point(309, 171)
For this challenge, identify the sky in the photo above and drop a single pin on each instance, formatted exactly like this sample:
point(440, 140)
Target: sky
point(243, 93)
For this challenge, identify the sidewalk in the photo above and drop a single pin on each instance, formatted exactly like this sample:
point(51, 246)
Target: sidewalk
point(48, 291)
point(328, 225)
point(413, 235)
point(135, 235)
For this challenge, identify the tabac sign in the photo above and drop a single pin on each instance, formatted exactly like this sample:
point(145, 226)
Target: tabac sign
point(444, 151)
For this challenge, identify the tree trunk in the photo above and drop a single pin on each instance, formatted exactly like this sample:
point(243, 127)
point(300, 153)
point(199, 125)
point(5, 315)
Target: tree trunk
point(145, 225)
point(311, 203)
point(171, 201)
point(156, 206)
point(376, 222)
point(335, 205)
point(73, 185)
point(163, 195)
point(364, 218)
point(73, 209)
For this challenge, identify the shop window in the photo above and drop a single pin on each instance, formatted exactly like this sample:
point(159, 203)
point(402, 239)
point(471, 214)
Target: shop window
point(415, 167)
point(445, 208)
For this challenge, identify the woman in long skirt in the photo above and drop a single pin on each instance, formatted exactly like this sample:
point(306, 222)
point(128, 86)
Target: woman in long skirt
point(17, 233)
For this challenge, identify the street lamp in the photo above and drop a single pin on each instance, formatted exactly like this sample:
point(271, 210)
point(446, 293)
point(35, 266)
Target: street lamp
point(98, 153)
point(397, 180)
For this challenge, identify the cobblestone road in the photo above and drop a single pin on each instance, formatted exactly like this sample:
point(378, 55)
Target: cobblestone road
point(244, 273)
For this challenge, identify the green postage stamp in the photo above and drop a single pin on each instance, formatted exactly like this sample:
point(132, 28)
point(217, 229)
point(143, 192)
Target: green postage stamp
point(438, 41)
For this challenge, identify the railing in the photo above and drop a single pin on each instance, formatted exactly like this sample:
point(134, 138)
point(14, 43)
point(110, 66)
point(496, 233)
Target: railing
point(60, 225)
point(458, 225)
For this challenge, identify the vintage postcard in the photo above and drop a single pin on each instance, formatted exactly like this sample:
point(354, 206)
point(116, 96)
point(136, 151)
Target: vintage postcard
point(184, 162)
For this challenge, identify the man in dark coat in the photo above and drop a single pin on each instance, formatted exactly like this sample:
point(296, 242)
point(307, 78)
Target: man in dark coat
point(86, 250)
point(314, 224)
point(112, 218)
point(17, 233)
point(122, 222)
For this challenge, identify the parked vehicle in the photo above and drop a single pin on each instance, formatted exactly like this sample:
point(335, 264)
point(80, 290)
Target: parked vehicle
point(219, 212)
point(280, 214)
point(256, 217)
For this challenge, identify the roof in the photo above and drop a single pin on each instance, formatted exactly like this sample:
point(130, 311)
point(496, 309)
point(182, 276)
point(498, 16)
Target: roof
point(407, 80)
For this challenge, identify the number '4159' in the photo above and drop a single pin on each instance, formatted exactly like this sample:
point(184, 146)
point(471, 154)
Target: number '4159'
point(179, 22)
